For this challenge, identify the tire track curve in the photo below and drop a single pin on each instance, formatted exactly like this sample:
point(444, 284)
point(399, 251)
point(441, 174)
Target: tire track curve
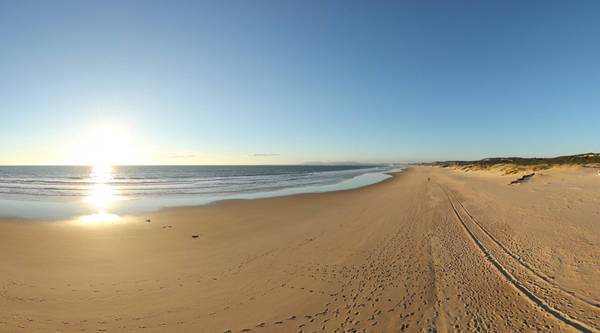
point(511, 279)
point(523, 264)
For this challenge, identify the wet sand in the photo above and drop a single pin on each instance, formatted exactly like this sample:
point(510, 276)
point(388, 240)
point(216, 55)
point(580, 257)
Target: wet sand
point(431, 249)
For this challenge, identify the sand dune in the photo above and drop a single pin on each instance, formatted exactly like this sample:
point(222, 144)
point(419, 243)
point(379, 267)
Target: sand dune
point(432, 249)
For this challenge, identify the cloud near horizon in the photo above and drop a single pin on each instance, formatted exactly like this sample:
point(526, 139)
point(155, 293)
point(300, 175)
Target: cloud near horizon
point(265, 155)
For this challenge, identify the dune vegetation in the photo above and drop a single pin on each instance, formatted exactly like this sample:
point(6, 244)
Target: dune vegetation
point(514, 165)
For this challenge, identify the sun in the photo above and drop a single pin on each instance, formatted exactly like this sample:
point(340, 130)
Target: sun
point(104, 145)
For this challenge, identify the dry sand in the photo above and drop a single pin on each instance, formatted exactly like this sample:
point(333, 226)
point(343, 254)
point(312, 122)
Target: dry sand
point(431, 249)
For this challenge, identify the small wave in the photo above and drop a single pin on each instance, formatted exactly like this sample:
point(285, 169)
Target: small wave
point(139, 182)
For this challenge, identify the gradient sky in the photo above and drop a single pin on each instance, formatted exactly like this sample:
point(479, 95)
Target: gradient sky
point(253, 82)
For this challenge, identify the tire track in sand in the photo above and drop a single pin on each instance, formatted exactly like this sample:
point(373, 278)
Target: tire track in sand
point(523, 264)
point(515, 282)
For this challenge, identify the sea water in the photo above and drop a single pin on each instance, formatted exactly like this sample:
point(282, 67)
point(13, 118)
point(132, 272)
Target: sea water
point(62, 192)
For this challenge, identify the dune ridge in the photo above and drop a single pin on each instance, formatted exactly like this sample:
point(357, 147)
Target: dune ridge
point(515, 165)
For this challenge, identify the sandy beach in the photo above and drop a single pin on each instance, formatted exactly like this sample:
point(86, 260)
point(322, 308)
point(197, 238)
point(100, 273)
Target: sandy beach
point(431, 249)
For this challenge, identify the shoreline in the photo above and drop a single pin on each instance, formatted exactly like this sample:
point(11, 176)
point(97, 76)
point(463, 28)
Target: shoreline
point(386, 256)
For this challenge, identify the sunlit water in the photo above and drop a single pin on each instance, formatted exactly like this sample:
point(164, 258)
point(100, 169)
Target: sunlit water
point(104, 194)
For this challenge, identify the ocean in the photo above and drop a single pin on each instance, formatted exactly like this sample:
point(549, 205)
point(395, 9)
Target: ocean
point(62, 192)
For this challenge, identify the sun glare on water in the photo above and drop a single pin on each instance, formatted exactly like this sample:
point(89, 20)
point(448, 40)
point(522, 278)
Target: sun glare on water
point(101, 194)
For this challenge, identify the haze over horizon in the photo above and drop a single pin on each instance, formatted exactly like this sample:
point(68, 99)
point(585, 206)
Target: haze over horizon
point(128, 82)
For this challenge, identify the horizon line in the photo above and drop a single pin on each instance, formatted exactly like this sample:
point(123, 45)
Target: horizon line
point(294, 164)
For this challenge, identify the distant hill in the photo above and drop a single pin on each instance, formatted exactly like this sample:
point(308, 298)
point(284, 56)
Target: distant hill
point(513, 165)
point(346, 163)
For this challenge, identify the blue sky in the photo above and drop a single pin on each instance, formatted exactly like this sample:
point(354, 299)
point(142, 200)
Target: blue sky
point(253, 82)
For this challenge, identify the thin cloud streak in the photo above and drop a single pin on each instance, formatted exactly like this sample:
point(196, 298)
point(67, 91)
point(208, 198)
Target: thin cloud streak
point(265, 155)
